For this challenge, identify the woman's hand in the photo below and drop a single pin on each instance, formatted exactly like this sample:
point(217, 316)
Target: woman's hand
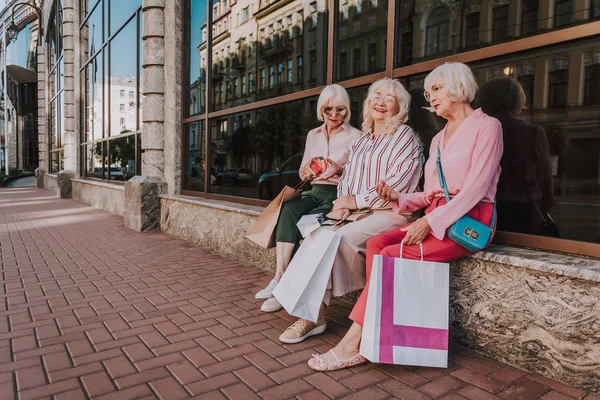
point(345, 202)
point(333, 169)
point(340, 214)
point(386, 192)
point(306, 171)
point(416, 232)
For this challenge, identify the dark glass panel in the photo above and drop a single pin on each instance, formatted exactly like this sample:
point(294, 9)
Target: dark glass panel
point(95, 154)
point(529, 23)
point(196, 60)
point(255, 153)
point(121, 153)
point(361, 34)
point(92, 32)
point(500, 24)
point(563, 12)
point(195, 160)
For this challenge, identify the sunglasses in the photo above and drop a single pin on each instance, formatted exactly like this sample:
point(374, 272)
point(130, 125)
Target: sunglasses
point(341, 111)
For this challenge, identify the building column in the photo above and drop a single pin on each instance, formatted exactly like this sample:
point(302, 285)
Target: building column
point(142, 202)
point(172, 46)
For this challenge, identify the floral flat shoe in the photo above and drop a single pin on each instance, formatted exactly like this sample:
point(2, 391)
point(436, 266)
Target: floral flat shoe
point(318, 363)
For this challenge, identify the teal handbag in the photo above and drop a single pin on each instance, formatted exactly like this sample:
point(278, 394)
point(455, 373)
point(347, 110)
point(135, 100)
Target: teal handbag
point(467, 232)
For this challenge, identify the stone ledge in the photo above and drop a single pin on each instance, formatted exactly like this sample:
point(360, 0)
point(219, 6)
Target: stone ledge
point(93, 182)
point(253, 211)
point(559, 264)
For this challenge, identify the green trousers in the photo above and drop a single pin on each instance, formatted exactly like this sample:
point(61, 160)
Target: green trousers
point(317, 200)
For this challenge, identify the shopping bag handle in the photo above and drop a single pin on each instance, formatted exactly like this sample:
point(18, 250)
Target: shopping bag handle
point(305, 182)
point(420, 245)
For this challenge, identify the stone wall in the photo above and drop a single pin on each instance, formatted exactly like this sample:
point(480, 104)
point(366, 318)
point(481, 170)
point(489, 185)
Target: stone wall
point(536, 311)
point(104, 196)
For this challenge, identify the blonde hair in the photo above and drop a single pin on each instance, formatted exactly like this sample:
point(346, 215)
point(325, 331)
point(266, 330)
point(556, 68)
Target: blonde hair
point(455, 76)
point(334, 94)
point(394, 88)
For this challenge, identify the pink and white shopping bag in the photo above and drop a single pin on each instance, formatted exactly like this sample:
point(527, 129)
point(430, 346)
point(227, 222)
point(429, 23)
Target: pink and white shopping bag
point(406, 319)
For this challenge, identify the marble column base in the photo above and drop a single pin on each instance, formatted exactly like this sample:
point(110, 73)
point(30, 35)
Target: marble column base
point(39, 177)
point(142, 203)
point(63, 183)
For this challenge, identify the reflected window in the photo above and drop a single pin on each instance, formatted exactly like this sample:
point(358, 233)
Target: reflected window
point(438, 32)
point(56, 91)
point(595, 9)
point(529, 22)
point(195, 60)
point(563, 12)
point(500, 27)
point(194, 163)
point(528, 82)
point(472, 29)
point(592, 85)
point(558, 90)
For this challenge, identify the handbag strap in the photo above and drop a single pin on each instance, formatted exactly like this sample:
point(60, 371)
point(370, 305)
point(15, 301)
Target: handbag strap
point(420, 245)
point(442, 180)
point(303, 184)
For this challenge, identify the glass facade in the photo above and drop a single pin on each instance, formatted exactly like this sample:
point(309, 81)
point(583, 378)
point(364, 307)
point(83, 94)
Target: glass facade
point(267, 67)
point(112, 76)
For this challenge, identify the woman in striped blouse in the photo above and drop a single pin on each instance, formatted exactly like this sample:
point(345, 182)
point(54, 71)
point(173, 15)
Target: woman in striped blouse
point(388, 150)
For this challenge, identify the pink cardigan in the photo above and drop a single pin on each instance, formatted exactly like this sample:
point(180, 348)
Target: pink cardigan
point(471, 164)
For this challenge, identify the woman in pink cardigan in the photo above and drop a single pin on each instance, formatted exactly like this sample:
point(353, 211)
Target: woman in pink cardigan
point(471, 147)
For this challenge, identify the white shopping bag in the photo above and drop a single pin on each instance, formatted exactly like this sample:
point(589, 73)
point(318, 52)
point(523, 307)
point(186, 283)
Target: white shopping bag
point(309, 223)
point(406, 317)
point(302, 287)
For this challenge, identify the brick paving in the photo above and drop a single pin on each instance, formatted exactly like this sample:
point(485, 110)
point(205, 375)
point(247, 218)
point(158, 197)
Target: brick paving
point(93, 310)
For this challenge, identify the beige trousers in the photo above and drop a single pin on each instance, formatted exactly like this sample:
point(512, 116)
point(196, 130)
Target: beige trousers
point(348, 273)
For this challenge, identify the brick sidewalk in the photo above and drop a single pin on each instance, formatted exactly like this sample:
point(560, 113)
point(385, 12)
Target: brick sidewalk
point(92, 309)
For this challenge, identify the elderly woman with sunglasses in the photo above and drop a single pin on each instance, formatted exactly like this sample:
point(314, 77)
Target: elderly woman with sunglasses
point(469, 148)
point(332, 141)
point(389, 151)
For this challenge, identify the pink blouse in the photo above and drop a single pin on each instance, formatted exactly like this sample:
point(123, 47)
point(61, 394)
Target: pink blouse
point(471, 165)
point(337, 147)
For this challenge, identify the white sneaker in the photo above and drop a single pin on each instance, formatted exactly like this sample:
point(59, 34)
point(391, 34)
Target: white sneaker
point(271, 305)
point(267, 292)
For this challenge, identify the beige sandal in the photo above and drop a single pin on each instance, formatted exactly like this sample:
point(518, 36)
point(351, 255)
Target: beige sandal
point(318, 363)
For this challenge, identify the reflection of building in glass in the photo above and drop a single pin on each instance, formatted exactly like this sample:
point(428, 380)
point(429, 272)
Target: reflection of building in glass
point(264, 50)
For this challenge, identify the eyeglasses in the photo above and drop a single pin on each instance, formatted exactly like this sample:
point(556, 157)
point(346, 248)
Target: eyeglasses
point(387, 99)
point(341, 111)
point(434, 89)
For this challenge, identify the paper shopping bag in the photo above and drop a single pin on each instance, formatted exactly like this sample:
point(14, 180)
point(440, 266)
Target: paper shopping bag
point(406, 316)
point(309, 223)
point(262, 231)
point(302, 287)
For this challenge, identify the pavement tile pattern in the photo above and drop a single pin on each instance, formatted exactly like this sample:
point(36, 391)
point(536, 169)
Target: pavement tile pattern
point(92, 310)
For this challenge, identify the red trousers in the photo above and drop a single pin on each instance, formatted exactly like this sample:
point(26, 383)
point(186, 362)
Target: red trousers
point(388, 244)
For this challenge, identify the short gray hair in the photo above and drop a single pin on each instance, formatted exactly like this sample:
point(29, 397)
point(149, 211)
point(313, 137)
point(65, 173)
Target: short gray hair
point(334, 94)
point(455, 76)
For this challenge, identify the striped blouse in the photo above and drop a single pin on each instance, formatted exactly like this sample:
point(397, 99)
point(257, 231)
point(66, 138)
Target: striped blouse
point(397, 159)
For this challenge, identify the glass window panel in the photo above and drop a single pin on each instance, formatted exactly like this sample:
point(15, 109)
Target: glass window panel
point(266, 42)
point(195, 160)
point(123, 78)
point(94, 159)
point(256, 153)
point(360, 34)
point(92, 32)
point(121, 153)
point(427, 29)
point(120, 11)
point(53, 128)
point(94, 96)
point(572, 131)
point(196, 59)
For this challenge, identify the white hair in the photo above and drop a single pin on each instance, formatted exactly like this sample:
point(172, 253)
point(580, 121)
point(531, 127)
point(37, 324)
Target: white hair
point(455, 76)
point(334, 95)
point(394, 88)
